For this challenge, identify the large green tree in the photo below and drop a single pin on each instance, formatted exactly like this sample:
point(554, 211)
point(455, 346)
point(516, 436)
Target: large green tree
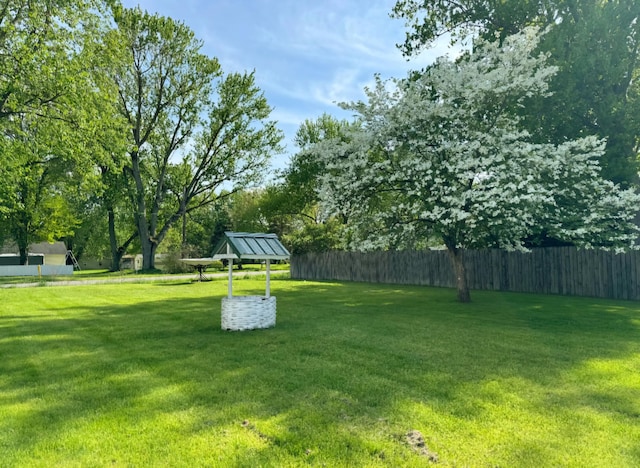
point(302, 177)
point(193, 129)
point(48, 114)
point(292, 206)
point(39, 41)
point(35, 205)
point(595, 44)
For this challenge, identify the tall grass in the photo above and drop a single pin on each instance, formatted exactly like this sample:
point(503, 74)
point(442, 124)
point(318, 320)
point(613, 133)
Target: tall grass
point(142, 375)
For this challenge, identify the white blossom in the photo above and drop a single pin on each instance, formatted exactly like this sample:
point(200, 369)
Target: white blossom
point(444, 155)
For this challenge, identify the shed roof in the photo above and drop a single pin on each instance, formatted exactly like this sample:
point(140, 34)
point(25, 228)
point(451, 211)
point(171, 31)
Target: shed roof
point(46, 248)
point(244, 245)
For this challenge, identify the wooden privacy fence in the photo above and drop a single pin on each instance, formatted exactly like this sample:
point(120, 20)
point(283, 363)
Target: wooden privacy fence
point(553, 270)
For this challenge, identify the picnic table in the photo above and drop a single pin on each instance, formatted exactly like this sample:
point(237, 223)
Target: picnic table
point(200, 265)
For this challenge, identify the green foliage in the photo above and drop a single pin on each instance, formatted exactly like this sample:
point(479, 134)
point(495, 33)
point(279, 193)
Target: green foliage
point(267, 210)
point(302, 177)
point(597, 50)
point(312, 237)
point(596, 46)
point(194, 128)
point(40, 43)
point(171, 262)
point(55, 115)
point(37, 207)
point(245, 211)
point(291, 208)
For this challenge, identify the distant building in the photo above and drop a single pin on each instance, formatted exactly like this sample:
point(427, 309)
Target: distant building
point(41, 253)
point(131, 262)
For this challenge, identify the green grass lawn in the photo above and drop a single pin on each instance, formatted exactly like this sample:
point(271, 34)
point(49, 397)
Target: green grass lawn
point(77, 275)
point(107, 275)
point(141, 375)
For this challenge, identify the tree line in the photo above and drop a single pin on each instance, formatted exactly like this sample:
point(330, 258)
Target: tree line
point(114, 119)
point(119, 134)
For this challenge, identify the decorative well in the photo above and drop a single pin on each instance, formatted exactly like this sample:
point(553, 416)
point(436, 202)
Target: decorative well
point(249, 312)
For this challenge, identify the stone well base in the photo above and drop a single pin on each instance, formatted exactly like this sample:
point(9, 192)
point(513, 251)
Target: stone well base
point(248, 312)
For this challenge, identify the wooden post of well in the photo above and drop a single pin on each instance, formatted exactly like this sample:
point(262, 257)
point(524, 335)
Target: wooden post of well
point(268, 278)
point(230, 272)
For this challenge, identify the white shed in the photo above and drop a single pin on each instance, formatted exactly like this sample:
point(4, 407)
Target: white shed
point(41, 253)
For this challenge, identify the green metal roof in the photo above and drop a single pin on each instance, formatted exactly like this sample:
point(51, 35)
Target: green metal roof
point(245, 245)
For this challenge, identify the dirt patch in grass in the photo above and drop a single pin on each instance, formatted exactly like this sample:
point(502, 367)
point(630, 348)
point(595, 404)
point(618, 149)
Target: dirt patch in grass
point(415, 440)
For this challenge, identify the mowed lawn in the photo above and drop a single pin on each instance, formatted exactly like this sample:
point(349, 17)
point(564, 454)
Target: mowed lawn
point(141, 375)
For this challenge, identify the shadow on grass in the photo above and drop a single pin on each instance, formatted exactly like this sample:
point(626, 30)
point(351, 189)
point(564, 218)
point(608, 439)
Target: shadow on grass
point(347, 370)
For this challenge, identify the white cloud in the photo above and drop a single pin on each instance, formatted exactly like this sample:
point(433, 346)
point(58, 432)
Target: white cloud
point(307, 54)
point(287, 117)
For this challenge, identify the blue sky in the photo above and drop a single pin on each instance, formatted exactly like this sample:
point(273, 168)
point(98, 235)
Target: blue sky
point(307, 54)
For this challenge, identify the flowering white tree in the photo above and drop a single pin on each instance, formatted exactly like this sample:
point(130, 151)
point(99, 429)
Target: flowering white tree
point(441, 154)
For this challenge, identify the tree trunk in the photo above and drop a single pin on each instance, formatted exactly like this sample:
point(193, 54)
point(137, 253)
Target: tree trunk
point(116, 259)
point(24, 255)
point(459, 269)
point(117, 251)
point(146, 243)
point(116, 255)
point(22, 241)
point(140, 215)
point(184, 230)
point(148, 253)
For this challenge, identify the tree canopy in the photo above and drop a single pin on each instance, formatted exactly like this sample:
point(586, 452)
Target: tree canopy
point(596, 46)
point(193, 128)
point(48, 114)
